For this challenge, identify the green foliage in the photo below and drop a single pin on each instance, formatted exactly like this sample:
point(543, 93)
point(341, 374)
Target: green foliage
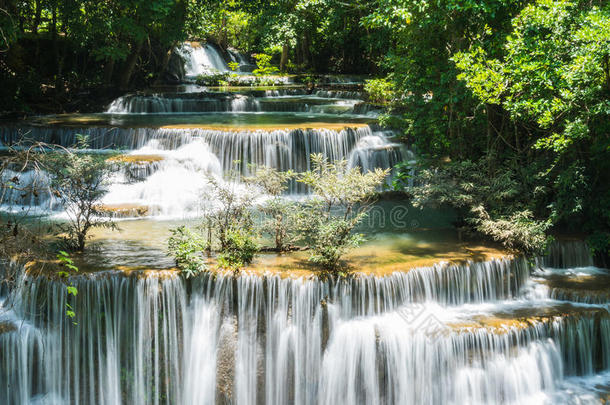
point(277, 221)
point(327, 234)
point(65, 262)
point(233, 66)
point(599, 243)
point(337, 185)
point(493, 203)
point(263, 64)
point(325, 222)
point(215, 79)
point(403, 174)
point(187, 247)
point(67, 265)
point(439, 110)
point(379, 91)
point(519, 231)
point(227, 219)
point(239, 250)
point(79, 181)
point(552, 81)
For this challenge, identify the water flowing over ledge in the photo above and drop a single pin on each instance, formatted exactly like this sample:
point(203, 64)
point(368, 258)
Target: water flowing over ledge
point(165, 171)
point(321, 102)
point(421, 336)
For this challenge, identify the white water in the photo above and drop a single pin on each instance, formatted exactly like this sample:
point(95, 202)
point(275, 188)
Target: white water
point(172, 186)
point(252, 340)
point(201, 59)
point(226, 102)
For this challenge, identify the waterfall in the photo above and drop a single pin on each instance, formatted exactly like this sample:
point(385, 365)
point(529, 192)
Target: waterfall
point(160, 339)
point(245, 65)
point(251, 145)
point(352, 95)
point(201, 59)
point(566, 254)
point(169, 179)
point(155, 104)
point(221, 102)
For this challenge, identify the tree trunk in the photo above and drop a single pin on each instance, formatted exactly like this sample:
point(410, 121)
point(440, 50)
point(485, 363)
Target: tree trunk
point(130, 65)
point(108, 70)
point(37, 16)
point(305, 51)
point(166, 58)
point(81, 242)
point(54, 37)
point(298, 56)
point(284, 59)
point(222, 38)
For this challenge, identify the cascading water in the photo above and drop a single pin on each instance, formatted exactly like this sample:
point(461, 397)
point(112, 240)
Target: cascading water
point(245, 65)
point(409, 338)
point(496, 332)
point(201, 59)
point(170, 185)
point(223, 102)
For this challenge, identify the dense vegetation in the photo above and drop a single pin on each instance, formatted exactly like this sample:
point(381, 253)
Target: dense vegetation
point(506, 102)
point(515, 95)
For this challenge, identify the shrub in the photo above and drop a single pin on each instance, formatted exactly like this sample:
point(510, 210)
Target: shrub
point(264, 67)
point(491, 203)
point(79, 180)
point(277, 222)
point(519, 231)
point(214, 79)
point(380, 91)
point(187, 247)
point(327, 234)
point(240, 248)
point(341, 200)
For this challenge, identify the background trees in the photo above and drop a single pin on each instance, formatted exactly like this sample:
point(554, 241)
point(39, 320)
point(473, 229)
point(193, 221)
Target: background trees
point(514, 90)
point(61, 48)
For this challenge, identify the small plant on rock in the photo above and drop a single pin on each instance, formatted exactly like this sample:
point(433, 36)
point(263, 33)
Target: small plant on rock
point(187, 247)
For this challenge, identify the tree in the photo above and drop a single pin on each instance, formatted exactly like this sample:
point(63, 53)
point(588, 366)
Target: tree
point(341, 201)
point(439, 112)
point(496, 206)
point(277, 208)
point(552, 83)
point(187, 247)
point(79, 181)
point(227, 228)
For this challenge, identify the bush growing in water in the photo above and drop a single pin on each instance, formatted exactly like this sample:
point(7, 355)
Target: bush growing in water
point(277, 209)
point(79, 180)
point(239, 249)
point(324, 223)
point(187, 247)
point(341, 201)
point(227, 229)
